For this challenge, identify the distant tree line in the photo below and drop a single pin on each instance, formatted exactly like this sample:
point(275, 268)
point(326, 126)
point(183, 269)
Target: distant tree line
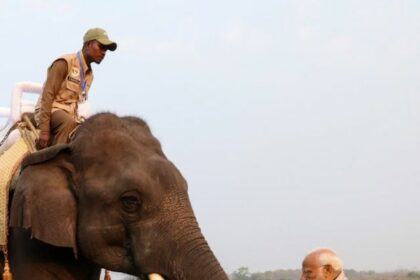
point(243, 273)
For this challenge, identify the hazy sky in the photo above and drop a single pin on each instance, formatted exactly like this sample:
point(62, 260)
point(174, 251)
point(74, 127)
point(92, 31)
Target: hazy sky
point(296, 123)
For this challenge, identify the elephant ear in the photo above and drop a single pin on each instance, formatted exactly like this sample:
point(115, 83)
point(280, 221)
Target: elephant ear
point(44, 199)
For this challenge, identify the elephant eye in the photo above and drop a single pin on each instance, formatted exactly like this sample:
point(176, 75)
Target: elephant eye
point(130, 202)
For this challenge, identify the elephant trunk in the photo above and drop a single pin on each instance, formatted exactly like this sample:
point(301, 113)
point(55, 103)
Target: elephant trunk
point(195, 259)
point(183, 255)
point(200, 263)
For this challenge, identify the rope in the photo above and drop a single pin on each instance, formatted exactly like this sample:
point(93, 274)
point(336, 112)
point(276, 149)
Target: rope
point(31, 126)
point(29, 138)
point(7, 134)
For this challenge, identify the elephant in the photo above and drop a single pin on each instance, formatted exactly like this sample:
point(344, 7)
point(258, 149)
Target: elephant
point(108, 199)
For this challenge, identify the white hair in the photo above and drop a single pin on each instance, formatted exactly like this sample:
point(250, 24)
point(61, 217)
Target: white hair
point(329, 257)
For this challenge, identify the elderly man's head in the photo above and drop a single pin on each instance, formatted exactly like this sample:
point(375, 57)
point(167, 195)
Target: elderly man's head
point(321, 264)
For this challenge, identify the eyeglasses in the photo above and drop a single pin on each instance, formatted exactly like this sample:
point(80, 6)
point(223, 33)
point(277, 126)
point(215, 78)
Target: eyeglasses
point(309, 273)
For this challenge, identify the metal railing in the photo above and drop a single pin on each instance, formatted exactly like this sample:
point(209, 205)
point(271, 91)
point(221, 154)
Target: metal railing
point(18, 106)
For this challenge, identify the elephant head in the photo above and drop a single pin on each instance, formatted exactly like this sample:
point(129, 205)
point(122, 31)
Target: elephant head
point(114, 197)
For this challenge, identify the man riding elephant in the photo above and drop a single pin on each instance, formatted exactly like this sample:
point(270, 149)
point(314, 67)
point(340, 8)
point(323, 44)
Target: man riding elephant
point(68, 82)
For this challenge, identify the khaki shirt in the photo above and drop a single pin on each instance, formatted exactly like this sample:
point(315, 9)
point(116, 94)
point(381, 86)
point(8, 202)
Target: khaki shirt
point(62, 89)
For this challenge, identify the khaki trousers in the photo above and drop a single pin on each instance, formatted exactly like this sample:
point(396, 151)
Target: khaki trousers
point(62, 124)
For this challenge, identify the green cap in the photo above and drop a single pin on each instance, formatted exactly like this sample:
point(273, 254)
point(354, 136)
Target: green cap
point(101, 36)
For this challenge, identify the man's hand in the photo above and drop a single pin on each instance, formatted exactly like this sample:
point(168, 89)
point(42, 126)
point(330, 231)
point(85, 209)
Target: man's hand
point(43, 140)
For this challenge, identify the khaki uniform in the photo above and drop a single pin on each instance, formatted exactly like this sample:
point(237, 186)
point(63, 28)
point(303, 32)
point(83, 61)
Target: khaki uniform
point(56, 110)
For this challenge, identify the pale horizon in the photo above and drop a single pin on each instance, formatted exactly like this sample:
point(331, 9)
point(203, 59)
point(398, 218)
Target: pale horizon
point(295, 123)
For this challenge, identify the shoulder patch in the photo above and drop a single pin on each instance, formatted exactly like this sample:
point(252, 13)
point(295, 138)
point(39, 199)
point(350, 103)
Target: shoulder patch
point(74, 72)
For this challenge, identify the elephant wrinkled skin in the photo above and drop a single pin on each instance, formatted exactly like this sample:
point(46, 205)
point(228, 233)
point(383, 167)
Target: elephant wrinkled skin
point(108, 199)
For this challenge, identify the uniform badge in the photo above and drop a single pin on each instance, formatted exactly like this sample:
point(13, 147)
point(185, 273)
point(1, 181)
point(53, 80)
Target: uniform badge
point(74, 72)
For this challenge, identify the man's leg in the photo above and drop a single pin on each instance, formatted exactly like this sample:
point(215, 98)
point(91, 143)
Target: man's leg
point(62, 124)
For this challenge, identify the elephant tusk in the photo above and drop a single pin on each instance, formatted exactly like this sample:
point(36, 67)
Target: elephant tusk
point(155, 276)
